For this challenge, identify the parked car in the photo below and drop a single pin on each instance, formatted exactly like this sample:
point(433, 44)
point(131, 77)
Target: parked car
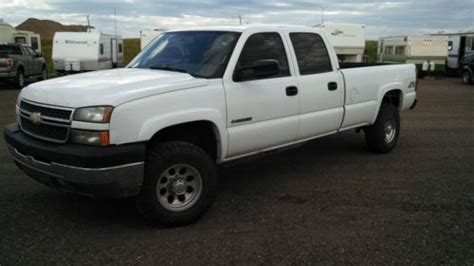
point(467, 69)
point(194, 99)
point(19, 62)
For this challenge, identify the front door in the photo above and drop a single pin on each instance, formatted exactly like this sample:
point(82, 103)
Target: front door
point(262, 112)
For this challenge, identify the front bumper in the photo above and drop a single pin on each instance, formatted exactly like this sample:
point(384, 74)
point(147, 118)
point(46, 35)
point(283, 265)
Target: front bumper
point(111, 172)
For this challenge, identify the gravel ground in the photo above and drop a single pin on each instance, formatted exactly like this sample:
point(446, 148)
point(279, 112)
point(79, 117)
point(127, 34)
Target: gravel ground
point(327, 202)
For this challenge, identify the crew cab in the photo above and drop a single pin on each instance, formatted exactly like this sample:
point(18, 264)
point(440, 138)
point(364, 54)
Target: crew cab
point(19, 62)
point(194, 99)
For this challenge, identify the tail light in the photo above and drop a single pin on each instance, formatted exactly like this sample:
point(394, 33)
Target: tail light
point(9, 62)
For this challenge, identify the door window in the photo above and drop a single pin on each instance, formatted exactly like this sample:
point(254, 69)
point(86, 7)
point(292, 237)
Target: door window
point(311, 53)
point(264, 46)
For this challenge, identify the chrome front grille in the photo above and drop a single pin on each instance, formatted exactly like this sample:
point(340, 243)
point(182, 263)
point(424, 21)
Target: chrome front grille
point(50, 123)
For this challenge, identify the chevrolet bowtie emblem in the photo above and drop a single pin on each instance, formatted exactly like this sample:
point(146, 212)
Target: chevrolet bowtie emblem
point(36, 118)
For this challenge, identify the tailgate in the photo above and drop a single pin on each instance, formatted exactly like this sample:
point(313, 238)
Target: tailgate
point(3, 64)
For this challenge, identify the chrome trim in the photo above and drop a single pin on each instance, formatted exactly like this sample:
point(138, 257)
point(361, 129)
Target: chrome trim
point(47, 120)
point(126, 174)
point(47, 105)
point(25, 112)
point(43, 122)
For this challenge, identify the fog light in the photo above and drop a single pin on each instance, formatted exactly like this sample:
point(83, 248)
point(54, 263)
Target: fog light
point(97, 138)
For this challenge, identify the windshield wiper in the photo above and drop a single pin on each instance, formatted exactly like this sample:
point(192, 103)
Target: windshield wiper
point(176, 69)
point(169, 68)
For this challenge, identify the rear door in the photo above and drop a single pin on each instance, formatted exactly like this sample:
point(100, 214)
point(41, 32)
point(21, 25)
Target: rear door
point(36, 62)
point(320, 84)
point(261, 112)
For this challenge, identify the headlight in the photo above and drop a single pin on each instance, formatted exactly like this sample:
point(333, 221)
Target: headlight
point(96, 114)
point(98, 138)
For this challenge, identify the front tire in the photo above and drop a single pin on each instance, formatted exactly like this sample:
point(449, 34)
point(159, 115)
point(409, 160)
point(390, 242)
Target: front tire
point(44, 73)
point(466, 77)
point(382, 136)
point(20, 79)
point(179, 185)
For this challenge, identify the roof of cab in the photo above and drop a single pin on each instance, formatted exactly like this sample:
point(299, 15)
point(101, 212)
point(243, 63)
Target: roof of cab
point(243, 28)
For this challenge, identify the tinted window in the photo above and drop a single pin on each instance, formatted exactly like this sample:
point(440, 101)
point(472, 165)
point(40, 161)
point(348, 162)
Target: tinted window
point(311, 53)
point(10, 49)
point(34, 43)
point(200, 53)
point(262, 46)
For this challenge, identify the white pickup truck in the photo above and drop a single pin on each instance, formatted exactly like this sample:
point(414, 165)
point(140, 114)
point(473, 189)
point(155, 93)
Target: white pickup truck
point(194, 99)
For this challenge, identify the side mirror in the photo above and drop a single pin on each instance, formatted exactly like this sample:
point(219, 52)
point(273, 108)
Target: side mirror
point(259, 69)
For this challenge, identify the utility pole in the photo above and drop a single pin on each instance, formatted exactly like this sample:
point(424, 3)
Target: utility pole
point(240, 19)
point(88, 24)
point(322, 15)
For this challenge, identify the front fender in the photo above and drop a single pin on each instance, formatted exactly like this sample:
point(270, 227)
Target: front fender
point(155, 124)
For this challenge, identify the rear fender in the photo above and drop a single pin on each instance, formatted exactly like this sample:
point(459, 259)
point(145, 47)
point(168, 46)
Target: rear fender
point(382, 92)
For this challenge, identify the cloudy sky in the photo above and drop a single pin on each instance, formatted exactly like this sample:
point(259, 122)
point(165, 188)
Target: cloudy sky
point(383, 18)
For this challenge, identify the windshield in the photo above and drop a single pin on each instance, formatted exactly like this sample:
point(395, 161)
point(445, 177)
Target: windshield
point(202, 54)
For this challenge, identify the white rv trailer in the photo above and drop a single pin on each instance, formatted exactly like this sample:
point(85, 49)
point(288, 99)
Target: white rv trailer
point(9, 34)
point(459, 44)
point(86, 51)
point(146, 36)
point(348, 40)
point(428, 53)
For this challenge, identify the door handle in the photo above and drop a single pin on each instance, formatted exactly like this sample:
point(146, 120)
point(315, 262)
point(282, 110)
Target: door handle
point(291, 91)
point(332, 86)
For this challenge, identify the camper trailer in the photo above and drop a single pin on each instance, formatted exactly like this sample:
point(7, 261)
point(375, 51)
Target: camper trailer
point(146, 36)
point(428, 53)
point(86, 51)
point(9, 34)
point(348, 40)
point(459, 45)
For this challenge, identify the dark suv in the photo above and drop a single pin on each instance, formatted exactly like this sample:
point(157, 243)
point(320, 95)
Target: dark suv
point(467, 69)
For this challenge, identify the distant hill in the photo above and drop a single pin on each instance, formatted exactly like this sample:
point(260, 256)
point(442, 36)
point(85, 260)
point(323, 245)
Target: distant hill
point(47, 28)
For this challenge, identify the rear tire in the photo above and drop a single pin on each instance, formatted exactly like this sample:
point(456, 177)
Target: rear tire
point(466, 77)
point(179, 185)
point(20, 79)
point(382, 136)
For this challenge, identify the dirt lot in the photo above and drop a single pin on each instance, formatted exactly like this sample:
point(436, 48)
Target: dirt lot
point(328, 202)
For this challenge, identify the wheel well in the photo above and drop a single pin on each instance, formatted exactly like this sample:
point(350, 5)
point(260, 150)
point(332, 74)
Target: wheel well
point(200, 133)
point(393, 97)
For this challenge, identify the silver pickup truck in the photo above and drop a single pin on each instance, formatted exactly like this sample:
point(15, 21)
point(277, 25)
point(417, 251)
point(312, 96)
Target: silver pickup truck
point(19, 62)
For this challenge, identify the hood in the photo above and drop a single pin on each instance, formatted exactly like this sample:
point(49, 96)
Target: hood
point(108, 87)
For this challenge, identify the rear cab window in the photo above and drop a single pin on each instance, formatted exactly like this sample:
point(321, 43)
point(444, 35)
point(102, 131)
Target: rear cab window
point(264, 46)
point(6, 49)
point(311, 53)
